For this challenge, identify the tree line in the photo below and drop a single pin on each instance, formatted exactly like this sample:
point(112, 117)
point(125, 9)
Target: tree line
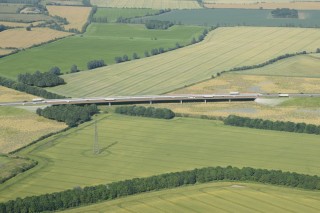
point(287, 126)
point(271, 61)
point(24, 167)
point(157, 24)
point(46, 79)
point(93, 194)
point(142, 111)
point(72, 115)
point(28, 89)
point(95, 64)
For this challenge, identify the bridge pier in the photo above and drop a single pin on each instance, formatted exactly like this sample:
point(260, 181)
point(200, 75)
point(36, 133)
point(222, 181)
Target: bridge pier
point(181, 102)
point(109, 103)
point(150, 102)
point(229, 100)
point(205, 101)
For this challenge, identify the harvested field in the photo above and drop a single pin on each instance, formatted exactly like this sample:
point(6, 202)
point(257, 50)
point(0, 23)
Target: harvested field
point(8, 95)
point(154, 4)
point(222, 49)
point(214, 197)
point(21, 38)
point(299, 66)
point(264, 5)
point(19, 127)
point(14, 24)
point(255, 84)
point(141, 147)
point(76, 16)
point(268, 110)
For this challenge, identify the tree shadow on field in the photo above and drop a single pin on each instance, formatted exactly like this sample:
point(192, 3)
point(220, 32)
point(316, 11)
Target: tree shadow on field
point(108, 147)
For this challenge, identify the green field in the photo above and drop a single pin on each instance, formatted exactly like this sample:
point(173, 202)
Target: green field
point(214, 197)
point(101, 41)
point(10, 165)
point(223, 49)
point(239, 17)
point(302, 102)
point(155, 4)
point(141, 147)
point(113, 13)
point(10, 8)
point(25, 18)
point(300, 66)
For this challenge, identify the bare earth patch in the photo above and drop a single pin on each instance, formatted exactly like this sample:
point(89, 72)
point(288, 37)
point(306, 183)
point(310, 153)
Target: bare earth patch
point(21, 38)
point(76, 16)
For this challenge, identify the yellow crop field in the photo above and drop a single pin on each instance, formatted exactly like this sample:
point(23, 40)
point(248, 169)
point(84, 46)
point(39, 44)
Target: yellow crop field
point(21, 38)
point(265, 5)
point(76, 16)
point(8, 95)
point(255, 84)
point(14, 24)
point(223, 49)
point(5, 51)
point(154, 4)
point(19, 127)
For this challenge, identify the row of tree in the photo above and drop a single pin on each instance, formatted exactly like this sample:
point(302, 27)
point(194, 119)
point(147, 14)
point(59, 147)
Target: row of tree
point(72, 115)
point(29, 89)
point(46, 79)
point(145, 112)
point(95, 64)
point(157, 24)
point(19, 169)
point(88, 195)
point(271, 61)
point(288, 126)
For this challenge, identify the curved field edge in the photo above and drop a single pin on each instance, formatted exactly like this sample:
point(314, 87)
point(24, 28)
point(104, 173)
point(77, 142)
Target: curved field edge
point(214, 197)
point(151, 147)
point(223, 49)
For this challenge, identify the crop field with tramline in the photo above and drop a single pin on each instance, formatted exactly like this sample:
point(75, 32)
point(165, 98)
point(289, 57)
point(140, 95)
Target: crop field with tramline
point(76, 16)
point(155, 4)
point(223, 49)
point(214, 197)
point(141, 147)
